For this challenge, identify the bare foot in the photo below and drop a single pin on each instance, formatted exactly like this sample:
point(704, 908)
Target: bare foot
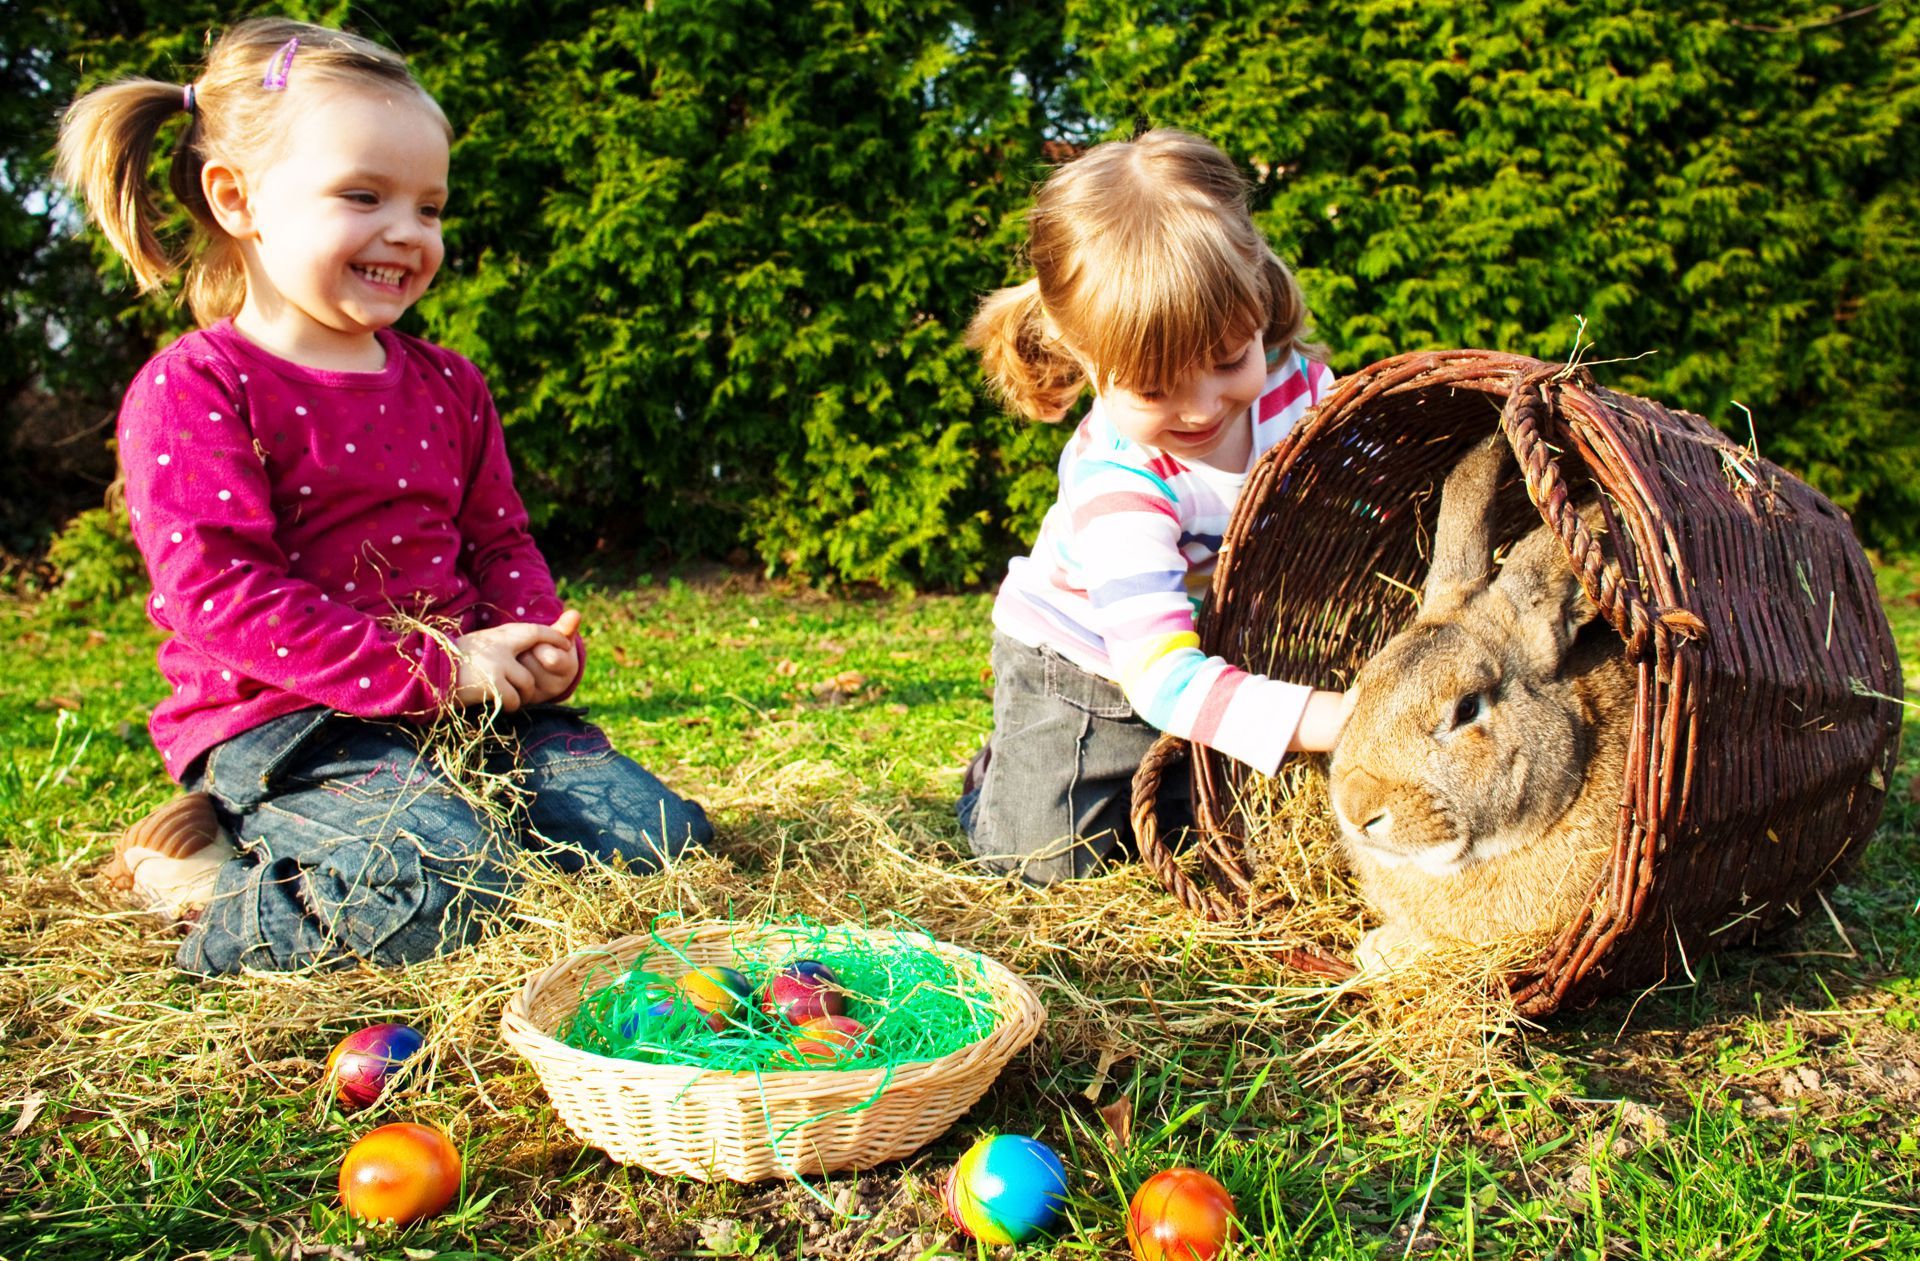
point(170, 859)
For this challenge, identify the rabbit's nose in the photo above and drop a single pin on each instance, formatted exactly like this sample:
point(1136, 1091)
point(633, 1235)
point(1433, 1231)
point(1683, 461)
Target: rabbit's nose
point(1361, 801)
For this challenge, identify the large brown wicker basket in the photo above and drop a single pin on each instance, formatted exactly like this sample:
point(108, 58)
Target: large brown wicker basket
point(674, 1119)
point(1765, 729)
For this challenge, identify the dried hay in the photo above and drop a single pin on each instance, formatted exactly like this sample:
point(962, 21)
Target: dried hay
point(96, 1023)
point(89, 1000)
point(92, 1009)
point(1441, 1018)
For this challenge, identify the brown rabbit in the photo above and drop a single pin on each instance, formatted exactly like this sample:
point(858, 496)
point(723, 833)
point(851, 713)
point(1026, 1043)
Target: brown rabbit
point(1478, 781)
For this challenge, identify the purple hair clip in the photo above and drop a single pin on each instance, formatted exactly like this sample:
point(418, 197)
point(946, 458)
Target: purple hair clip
point(278, 68)
point(186, 98)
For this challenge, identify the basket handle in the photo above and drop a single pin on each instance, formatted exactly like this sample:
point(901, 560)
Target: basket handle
point(1154, 852)
point(1208, 904)
point(1533, 405)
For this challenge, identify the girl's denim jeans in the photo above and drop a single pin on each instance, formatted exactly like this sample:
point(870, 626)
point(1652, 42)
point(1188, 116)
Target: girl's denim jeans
point(1058, 792)
point(355, 846)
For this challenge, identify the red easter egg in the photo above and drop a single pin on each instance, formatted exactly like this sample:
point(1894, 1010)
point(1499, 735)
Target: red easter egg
point(797, 998)
point(1179, 1215)
point(814, 971)
point(362, 1062)
point(828, 1040)
point(400, 1173)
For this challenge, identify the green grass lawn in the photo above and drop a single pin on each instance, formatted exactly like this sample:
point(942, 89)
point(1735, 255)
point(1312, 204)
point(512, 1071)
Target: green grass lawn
point(1766, 1109)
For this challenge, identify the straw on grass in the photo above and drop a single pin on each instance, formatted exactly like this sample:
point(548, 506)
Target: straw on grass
point(1441, 1017)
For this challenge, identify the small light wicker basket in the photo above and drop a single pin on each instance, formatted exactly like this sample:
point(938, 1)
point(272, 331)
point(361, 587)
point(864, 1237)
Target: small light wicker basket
point(676, 1119)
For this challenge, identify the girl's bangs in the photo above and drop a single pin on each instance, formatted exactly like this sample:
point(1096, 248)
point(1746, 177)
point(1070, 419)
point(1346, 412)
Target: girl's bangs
point(1148, 328)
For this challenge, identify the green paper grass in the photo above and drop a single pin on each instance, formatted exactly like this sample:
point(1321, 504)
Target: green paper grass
point(916, 1003)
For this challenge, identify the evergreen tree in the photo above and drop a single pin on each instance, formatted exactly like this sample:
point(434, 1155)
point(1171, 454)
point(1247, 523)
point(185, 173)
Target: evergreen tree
point(717, 258)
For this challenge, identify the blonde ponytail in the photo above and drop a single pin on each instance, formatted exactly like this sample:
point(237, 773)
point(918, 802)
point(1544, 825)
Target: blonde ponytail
point(106, 143)
point(1287, 328)
point(1030, 370)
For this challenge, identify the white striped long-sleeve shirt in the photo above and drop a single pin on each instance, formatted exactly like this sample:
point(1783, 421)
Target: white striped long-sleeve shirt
point(1125, 556)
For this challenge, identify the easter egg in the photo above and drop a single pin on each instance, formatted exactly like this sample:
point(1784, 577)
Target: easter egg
point(827, 1040)
point(813, 970)
point(400, 1173)
point(716, 990)
point(1006, 1189)
point(362, 1062)
point(718, 993)
point(803, 991)
point(631, 1001)
point(714, 1020)
point(1179, 1214)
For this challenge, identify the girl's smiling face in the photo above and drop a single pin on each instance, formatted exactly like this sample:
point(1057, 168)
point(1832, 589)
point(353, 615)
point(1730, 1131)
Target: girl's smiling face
point(340, 228)
point(1203, 414)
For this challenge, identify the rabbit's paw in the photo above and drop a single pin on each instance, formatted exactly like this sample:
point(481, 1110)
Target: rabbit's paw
point(1384, 949)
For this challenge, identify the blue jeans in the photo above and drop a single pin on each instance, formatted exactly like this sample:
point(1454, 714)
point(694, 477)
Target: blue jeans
point(1057, 797)
point(355, 846)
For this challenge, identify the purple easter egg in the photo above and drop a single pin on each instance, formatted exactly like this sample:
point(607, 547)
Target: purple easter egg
point(362, 1062)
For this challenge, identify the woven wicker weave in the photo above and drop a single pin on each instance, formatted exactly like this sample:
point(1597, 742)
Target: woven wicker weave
point(674, 1119)
point(1764, 733)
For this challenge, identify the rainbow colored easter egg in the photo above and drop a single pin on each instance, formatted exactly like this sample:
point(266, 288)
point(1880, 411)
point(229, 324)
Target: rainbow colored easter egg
point(716, 989)
point(827, 1040)
point(803, 990)
point(1006, 1189)
point(717, 992)
point(361, 1063)
point(1179, 1214)
point(715, 1020)
point(631, 1001)
point(400, 1173)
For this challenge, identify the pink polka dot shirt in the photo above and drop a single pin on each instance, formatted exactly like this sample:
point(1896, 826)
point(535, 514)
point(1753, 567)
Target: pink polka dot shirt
point(289, 516)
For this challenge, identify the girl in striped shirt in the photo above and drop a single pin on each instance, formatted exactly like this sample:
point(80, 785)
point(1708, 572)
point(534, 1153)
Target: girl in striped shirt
point(1154, 288)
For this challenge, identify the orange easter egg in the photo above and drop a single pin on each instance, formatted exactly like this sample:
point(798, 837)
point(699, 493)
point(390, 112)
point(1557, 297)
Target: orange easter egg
point(828, 1040)
point(400, 1173)
point(1179, 1214)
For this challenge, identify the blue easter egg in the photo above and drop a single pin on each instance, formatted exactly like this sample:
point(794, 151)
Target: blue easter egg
point(1006, 1189)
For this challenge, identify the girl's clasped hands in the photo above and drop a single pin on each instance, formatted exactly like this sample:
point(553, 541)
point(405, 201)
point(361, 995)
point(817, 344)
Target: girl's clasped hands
point(517, 665)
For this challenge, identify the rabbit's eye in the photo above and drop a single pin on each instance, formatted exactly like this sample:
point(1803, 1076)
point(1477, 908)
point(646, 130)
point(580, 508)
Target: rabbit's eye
point(1467, 708)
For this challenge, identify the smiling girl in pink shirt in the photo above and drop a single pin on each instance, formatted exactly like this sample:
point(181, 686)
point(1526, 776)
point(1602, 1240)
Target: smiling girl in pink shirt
point(309, 488)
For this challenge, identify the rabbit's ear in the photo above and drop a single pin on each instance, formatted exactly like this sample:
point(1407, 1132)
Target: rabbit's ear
point(1463, 538)
point(1551, 605)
